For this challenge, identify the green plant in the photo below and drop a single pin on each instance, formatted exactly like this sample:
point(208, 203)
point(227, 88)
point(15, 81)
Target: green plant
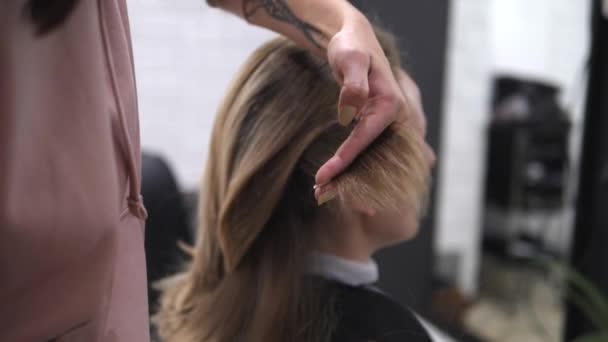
point(589, 300)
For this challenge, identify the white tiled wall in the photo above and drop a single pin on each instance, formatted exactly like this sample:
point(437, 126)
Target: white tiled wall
point(186, 53)
point(467, 92)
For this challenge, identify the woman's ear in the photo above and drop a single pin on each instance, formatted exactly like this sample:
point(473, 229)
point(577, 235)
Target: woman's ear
point(364, 209)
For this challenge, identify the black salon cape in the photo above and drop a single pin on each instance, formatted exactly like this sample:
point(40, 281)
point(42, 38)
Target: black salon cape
point(365, 314)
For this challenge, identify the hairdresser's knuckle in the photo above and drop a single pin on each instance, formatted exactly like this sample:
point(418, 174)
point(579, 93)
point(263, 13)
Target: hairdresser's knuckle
point(357, 90)
point(393, 105)
point(393, 101)
point(413, 91)
point(350, 56)
point(416, 94)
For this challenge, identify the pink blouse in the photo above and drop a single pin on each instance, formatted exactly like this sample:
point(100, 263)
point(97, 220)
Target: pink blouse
point(72, 264)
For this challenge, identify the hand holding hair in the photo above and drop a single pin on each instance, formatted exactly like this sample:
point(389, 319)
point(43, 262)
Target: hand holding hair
point(337, 30)
point(369, 94)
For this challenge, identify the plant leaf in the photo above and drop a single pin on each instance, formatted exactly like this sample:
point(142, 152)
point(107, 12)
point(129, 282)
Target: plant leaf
point(595, 298)
point(598, 337)
point(587, 308)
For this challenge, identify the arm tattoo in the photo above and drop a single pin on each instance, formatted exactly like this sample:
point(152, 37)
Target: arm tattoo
point(279, 10)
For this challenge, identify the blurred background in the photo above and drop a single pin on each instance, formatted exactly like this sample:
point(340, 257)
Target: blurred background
point(515, 92)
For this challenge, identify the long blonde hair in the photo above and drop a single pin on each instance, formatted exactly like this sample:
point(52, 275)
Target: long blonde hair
point(274, 129)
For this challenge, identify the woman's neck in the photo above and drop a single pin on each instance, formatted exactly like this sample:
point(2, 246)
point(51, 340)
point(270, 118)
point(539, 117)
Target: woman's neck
point(342, 270)
point(346, 251)
point(345, 238)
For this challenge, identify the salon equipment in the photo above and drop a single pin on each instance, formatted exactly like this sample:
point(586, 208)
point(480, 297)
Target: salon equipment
point(527, 161)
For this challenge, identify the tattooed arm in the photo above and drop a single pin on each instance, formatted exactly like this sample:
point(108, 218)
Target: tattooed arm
point(335, 30)
point(310, 23)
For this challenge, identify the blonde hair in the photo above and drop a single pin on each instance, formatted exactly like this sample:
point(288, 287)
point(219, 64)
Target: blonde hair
point(274, 129)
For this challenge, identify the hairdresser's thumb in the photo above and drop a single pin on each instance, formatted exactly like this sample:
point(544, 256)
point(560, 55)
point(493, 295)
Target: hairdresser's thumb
point(354, 67)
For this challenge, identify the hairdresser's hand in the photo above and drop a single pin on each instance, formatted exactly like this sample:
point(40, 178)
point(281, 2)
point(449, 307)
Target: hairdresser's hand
point(336, 29)
point(369, 93)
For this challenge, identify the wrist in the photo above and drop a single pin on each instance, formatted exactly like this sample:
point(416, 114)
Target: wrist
point(353, 19)
point(310, 23)
point(333, 17)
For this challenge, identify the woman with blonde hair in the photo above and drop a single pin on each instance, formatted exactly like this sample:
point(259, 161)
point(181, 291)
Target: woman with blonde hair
point(273, 262)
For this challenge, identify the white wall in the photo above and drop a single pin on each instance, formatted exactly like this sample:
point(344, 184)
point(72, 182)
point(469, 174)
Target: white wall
point(469, 65)
point(185, 55)
point(546, 39)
